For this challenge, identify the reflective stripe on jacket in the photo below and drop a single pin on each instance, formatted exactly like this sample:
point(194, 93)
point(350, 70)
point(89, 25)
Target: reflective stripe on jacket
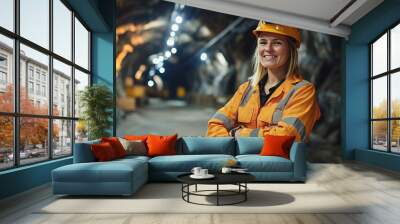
point(292, 110)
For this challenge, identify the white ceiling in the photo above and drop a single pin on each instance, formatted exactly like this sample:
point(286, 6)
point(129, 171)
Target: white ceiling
point(315, 15)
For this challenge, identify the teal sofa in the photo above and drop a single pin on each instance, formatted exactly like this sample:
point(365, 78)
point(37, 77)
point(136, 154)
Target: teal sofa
point(125, 176)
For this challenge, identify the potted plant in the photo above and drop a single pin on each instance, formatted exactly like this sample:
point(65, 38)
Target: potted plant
point(96, 102)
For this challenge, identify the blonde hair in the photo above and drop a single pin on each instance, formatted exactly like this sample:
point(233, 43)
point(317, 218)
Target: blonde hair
point(292, 69)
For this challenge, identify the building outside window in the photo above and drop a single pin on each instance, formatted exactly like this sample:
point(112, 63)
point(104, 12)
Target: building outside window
point(385, 95)
point(30, 72)
point(30, 87)
point(59, 134)
point(3, 72)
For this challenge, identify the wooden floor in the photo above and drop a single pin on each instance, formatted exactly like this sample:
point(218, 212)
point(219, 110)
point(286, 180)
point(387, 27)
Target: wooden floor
point(377, 188)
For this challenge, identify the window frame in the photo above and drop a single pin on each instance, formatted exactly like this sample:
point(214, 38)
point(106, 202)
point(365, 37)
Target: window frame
point(16, 114)
point(388, 74)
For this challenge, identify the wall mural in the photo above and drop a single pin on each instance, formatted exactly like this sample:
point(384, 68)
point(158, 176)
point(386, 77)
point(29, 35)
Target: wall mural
point(177, 64)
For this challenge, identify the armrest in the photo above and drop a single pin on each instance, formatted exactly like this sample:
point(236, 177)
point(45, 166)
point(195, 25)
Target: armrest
point(83, 152)
point(298, 157)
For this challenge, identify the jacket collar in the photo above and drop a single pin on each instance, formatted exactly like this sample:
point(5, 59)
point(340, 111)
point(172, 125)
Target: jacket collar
point(286, 86)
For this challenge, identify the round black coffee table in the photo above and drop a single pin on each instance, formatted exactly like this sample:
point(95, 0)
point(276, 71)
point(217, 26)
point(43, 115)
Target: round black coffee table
point(238, 179)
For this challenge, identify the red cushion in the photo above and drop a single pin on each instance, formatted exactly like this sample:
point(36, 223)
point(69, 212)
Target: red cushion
point(116, 145)
point(277, 146)
point(161, 145)
point(103, 151)
point(136, 137)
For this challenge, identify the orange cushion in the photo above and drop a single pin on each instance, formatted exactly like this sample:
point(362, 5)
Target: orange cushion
point(277, 146)
point(161, 145)
point(116, 145)
point(136, 137)
point(103, 152)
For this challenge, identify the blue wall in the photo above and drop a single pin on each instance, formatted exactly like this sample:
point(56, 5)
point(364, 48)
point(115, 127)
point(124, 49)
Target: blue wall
point(356, 112)
point(24, 178)
point(98, 15)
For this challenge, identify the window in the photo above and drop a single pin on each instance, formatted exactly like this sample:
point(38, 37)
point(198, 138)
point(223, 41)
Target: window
point(62, 30)
point(3, 72)
point(37, 89)
point(44, 91)
point(3, 78)
point(37, 74)
point(7, 73)
point(81, 45)
point(3, 61)
point(34, 21)
point(54, 126)
point(30, 87)
point(7, 14)
point(385, 96)
point(30, 72)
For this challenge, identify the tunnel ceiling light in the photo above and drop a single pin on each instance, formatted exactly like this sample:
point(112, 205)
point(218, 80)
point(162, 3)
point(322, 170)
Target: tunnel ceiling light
point(170, 41)
point(175, 27)
point(155, 61)
point(172, 34)
point(178, 19)
point(167, 54)
point(161, 70)
point(174, 50)
point(203, 56)
point(150, 83)
point(160, 59)
point(152, 72)
point(159, 65)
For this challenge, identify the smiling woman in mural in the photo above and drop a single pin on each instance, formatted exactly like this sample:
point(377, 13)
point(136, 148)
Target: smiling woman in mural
point(276, 100)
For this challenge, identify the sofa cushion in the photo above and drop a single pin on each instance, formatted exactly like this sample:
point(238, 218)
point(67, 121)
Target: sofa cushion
point(134, 147)
point(277, 146)
point(159, 145)
point(206, 145)
point(112, 171)
point(103, 152)
point(257, 163)
point(249, 145)
point(83, 152)
point(185, 163)
point(116, 145)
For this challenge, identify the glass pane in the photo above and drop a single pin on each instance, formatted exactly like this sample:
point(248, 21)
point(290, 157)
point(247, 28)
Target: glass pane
point(379, 55)
point(379, 135)
point(379, 98)
point(81, 131)
point(35, 21)
point(395, 47)
point(395, 95)
point(62, 138)
point(6, 74)
point(33, 139)
point(395, 136)
point(81, 45)
point(81, 81)
point(7, 14)
point(62, 89)
point(6, 142)
point(62, 29)
point(34, 92)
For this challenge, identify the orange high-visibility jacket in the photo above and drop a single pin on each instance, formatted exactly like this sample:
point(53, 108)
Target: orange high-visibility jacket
point(291, 110)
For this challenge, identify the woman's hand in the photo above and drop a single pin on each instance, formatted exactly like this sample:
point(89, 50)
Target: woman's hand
point(233, 131)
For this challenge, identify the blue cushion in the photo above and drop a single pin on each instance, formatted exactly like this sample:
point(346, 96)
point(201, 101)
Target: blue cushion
point(249, 145)
point(185, 163)
point(257, 163)
point(206, 145)
point(112, 171)
point(83, 153)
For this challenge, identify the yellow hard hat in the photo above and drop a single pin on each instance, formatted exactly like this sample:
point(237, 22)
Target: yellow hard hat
point(278, 29)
